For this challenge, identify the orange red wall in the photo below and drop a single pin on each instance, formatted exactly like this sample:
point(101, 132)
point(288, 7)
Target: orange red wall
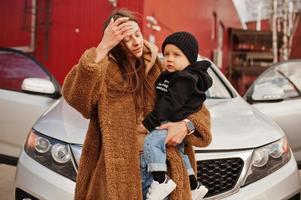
point(194, 16)
point(77, 25)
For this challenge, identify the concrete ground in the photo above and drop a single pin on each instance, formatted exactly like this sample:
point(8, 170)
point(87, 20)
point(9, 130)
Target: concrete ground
point(7, 175)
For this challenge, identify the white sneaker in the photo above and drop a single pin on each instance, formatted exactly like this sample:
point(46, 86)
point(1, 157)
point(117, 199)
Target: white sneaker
point(199, 192)
point(158, 191)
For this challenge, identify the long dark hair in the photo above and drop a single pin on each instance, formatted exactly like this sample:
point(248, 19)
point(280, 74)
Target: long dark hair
point(132, 72)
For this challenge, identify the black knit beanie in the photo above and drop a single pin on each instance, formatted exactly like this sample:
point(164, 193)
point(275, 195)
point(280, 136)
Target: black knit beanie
point(184, 41)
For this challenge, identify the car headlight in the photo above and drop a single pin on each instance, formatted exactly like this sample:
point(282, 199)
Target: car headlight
point(53, 154)
point(267, 159)
point(77, 152)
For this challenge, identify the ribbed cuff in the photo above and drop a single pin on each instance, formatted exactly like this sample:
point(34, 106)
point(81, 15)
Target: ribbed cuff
point(87, 61)
point(150, 122)
point(147, 125)
point(155, 167)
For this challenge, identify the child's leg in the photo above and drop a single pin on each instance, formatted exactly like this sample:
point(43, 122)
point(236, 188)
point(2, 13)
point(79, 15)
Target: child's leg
point(198, 191)
point(146, 177)
point(155, 157)
point(155, 154)
point(192, 178)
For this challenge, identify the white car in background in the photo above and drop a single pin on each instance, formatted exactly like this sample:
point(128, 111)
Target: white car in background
point(249, 157)
point(27, 89)
point(277, 93)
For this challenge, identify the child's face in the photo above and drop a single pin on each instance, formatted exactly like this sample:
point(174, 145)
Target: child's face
point(174, 58)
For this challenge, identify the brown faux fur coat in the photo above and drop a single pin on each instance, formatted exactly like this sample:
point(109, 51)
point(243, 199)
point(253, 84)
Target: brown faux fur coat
point(109, 167)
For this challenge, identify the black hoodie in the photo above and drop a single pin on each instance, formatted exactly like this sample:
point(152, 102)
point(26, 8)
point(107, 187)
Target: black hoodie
point(179, 94)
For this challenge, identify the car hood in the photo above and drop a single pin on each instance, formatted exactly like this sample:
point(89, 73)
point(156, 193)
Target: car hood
point(235, 125)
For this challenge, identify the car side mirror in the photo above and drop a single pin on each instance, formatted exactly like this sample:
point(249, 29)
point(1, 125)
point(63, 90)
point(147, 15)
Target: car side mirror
point(267, 92)
point(38, 85)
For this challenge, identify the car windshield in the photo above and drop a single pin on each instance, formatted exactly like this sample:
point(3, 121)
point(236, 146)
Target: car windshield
point(218, 90)
point(286, 76)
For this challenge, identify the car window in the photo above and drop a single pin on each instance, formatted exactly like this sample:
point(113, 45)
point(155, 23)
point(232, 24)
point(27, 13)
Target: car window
point(218, 89)
point(15, 67)
point(286, 76)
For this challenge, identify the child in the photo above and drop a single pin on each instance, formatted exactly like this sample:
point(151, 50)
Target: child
point(180, 91)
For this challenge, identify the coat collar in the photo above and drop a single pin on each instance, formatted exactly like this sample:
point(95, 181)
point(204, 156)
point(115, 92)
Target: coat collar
point(150, 54)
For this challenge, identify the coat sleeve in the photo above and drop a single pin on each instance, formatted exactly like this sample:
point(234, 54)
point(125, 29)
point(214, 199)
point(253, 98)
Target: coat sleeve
point(82, 85)
point(202, 122)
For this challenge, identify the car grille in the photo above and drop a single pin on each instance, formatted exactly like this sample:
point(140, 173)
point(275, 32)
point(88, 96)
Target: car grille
point(219, 175)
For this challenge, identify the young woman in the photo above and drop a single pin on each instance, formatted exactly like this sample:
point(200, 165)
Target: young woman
point(113, 86)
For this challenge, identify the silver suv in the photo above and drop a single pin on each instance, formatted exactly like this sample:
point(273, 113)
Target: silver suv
point(249, 157)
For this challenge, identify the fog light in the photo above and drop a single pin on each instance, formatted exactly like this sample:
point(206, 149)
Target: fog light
point(60, 153)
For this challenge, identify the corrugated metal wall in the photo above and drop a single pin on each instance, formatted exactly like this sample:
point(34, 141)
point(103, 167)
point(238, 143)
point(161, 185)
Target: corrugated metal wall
point(194, 16)
point(66, 28)
point(13, 22)
point(76, 26)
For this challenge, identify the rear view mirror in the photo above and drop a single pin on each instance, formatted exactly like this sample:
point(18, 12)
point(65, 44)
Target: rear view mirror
point(38, 85)
point(267, 92)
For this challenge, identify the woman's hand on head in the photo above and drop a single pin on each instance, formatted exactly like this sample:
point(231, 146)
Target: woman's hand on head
point(176, 132)
point(115, 32)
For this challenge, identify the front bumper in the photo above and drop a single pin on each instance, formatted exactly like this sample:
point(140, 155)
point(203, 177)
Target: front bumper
point(41, 182)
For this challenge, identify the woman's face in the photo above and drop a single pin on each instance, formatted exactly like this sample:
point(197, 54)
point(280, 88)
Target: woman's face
point(134, 42)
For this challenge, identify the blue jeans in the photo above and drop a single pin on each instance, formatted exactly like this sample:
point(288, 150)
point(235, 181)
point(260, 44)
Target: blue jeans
point(146, 176)
point(154, 158)
point(155, 152)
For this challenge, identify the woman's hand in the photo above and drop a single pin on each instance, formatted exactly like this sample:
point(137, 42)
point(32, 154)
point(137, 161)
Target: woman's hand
point(115, 32)
point(176, 132)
